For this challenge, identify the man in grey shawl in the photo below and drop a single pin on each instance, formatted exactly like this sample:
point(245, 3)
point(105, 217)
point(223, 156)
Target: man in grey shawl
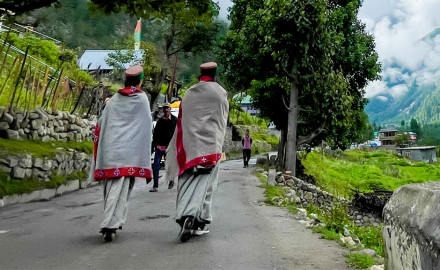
point(195, 150)
point(122, 149)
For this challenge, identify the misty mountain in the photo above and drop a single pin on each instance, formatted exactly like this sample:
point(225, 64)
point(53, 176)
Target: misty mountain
point(420, 91)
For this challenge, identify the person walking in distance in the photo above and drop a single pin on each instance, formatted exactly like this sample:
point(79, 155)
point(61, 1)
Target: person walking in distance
point(195, 150)
point(122, 149)
point(247, 146)
point(162, 134)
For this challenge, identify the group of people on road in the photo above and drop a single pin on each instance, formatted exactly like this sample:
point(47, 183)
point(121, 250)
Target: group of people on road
point(192, 143)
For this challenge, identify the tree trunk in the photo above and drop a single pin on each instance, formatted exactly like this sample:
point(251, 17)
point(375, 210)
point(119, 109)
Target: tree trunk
point(291, 129)
point(282, 150)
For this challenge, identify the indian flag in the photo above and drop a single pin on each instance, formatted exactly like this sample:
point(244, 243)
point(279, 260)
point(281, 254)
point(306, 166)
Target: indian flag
point(137, 35)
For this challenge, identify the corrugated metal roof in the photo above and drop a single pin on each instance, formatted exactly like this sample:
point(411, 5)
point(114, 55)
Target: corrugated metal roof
point(417, 148)
point(245, 99)
point(94, 59)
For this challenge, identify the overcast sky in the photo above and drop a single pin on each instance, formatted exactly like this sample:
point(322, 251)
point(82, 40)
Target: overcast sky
point(398, 27)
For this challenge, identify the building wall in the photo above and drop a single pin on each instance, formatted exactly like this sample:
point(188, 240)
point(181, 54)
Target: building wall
point(426, 155)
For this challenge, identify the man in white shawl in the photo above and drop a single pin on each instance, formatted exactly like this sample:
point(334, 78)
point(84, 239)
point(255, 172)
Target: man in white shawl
point(122, 149)
point(195, 150)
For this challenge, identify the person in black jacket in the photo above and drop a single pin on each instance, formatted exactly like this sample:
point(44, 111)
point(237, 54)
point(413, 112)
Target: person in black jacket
point(162, 134)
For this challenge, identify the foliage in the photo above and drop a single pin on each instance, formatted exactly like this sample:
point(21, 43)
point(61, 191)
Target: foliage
point(262, 178)
point(40, 149)
point(124, 54)
point(148, 8)
point(18, 7)
point(327, 233)
point(271, 139)
point(359, 261)
point(27, 83)
point(367, 171)
point(239, 117)
point(414, 126)
point(401, 138)
point(187, 26)
point(75, 25)
point(316, 50)
point(10, 186)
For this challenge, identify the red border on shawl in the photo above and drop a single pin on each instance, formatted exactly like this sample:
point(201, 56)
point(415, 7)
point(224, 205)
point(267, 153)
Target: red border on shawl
point(128, 90)
point(181, 154)
point(103, 174)
point(96, 140)
point(205, 161)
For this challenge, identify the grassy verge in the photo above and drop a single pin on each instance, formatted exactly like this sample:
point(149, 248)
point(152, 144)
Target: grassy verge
point(367, 171)
point(337, 224)
point(359, 261)
point(40, 149)
point(10, 186)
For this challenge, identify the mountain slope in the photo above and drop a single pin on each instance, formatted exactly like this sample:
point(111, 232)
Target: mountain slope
point(421, 101)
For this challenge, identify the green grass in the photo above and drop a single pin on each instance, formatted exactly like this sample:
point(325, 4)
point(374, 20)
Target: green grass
point(359, 261)
point(367, 171)
point(40, 149)
point(271, 139)
point(262, 178)
point(9, 186)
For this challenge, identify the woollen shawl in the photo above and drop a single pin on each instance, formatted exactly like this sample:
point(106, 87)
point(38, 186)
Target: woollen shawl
point(200, 131)
point(123, 137)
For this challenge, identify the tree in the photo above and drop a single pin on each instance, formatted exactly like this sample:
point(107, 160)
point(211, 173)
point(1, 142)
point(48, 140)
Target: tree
point(402, 139)
point(414, 126)
point(148, 8)
point(188, 25)
point(18, 7)
point(122, 56)
point(315, 54)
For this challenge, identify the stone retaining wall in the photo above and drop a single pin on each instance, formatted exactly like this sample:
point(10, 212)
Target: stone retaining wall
point(304, 194)
point(44, 125)
point(411, 232)
point(24, 166)
point(230, 146)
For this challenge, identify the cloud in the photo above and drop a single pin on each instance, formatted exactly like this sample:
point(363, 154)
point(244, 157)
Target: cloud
point(399, 28)
point(376, 88)
point(382, 98)
point(398, 90)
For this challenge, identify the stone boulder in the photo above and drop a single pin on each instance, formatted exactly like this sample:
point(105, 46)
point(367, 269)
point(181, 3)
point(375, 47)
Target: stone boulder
point(411, 231)
point(263, 159)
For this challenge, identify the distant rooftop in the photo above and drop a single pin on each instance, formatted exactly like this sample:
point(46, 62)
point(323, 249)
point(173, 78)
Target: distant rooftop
point(242, 98)
point(417, 148)
point(94, 59)
point(388, 130)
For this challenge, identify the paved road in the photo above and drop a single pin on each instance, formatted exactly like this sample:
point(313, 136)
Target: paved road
point(63, 233)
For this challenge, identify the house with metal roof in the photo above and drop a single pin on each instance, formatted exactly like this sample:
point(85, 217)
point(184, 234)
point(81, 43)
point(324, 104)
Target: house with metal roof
point(387, 137)
point(93, 60)
point(422, 153)
point(246, 104)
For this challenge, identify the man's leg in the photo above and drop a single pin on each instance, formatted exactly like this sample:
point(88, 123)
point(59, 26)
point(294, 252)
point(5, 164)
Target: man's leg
point(248, 156)
point(116, 194)
point(156, 167)
point(244, 157)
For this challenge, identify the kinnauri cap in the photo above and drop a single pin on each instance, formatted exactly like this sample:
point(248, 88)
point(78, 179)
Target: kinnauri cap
point(135, 71)
point(166, 104)
point(209, 65)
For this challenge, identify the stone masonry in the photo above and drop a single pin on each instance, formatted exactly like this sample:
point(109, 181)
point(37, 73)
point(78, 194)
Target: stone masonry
point(44, 125)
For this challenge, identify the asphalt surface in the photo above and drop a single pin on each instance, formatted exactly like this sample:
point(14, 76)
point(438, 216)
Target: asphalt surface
point(245, 234)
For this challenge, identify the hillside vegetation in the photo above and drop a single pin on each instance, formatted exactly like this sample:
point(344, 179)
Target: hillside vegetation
point(363, 171)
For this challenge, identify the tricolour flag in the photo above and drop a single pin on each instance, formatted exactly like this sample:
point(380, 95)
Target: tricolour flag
point(137, 35)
